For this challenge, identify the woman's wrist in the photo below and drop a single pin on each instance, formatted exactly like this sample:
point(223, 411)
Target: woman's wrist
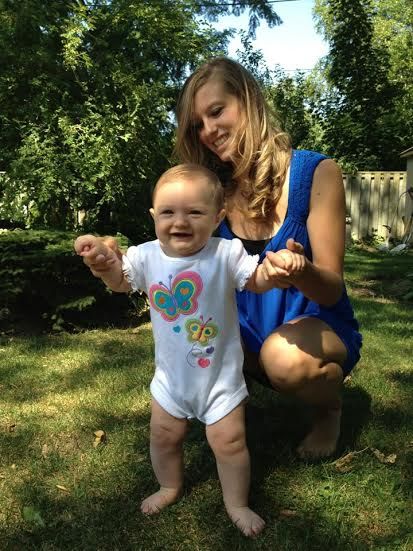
point(318, 284)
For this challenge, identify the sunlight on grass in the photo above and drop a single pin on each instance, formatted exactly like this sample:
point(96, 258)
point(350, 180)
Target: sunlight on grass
point(60, 491)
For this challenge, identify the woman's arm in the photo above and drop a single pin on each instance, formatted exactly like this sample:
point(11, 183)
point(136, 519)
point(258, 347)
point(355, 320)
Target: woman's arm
point(322, 279)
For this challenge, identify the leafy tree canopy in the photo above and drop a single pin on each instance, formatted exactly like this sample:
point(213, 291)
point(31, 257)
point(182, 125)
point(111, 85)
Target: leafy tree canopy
point(368, 77)
point(87, 91)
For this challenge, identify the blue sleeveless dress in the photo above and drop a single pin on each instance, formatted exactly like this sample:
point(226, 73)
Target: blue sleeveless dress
point(261, 314)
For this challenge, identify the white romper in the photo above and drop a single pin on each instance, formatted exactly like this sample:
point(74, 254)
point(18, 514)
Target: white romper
point(198, 353)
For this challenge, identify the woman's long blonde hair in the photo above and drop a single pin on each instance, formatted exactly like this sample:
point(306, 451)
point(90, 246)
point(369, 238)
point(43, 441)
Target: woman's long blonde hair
point(263, 150)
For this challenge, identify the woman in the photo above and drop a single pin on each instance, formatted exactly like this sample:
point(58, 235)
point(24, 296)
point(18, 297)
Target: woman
point(301, 338)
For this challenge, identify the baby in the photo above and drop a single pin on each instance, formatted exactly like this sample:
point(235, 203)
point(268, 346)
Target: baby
point(190, 279)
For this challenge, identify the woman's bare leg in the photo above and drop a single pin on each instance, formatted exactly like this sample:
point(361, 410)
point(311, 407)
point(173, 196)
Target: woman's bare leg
point(303, 358)
point(227, 440)
point(167, 436)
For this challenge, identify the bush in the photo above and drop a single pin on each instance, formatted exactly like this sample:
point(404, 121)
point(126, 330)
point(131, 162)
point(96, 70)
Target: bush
point(43, 282)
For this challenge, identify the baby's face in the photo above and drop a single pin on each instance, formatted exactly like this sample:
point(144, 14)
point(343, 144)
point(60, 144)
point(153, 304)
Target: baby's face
point(185, 216)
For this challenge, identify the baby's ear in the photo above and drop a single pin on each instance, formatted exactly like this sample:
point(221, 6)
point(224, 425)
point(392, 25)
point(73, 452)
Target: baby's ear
point(152, 213)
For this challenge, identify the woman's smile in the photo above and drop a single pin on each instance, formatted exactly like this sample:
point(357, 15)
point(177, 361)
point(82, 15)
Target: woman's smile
point(220, 141)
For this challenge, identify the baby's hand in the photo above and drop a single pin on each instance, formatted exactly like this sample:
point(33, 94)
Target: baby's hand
point(98, 256)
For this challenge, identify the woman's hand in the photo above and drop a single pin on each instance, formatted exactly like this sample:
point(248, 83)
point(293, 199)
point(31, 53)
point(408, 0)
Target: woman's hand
point(283, 266)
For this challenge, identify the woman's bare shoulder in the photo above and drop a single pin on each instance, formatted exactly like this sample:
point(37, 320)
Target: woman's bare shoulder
point(328, 189)
point(327, 169)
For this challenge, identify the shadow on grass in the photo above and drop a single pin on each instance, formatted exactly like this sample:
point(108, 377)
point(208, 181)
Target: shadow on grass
point(356, 413)
point(88, 520)
point(87, 528)
point(392, 418)
point(275, 429)
point(402, 377)
point(102, 509)
point(386, 318)
point(377, 275)
point(116, 310)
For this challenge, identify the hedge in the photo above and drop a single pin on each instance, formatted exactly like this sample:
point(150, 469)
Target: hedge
point(43, 281)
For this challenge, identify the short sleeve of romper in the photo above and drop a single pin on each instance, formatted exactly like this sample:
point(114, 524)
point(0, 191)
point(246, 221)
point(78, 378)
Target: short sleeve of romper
point(133, 268)
point(261, 314)
point(241, 265)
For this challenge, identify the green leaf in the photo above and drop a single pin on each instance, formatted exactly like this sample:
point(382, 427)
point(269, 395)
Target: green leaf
point(33, 516)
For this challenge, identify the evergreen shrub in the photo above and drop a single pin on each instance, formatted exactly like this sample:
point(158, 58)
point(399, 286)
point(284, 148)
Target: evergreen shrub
point(43, 281)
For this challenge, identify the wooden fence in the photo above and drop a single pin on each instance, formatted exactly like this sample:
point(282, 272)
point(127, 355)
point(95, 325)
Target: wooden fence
point(373, 200)
point(376, 199)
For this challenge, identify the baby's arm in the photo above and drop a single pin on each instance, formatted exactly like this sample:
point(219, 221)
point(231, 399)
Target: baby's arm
point(103, 261)
point(259, 282)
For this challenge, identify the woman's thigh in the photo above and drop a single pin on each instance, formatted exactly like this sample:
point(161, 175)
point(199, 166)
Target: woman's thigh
point(296, 351)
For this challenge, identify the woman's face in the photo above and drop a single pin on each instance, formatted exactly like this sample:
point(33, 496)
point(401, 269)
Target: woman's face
point(217, 118)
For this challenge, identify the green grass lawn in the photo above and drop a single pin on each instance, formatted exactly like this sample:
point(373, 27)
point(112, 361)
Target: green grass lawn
point(60, 491)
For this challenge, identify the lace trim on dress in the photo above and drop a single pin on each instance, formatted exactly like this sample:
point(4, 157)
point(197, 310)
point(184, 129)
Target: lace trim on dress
point(248, 268)
point(128, 272)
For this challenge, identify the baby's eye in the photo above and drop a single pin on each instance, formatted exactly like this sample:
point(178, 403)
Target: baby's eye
point(196, 212)
point(166, 212)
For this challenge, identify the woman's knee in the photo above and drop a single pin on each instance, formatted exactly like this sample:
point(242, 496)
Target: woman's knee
point(286, 365)
point(303, 351)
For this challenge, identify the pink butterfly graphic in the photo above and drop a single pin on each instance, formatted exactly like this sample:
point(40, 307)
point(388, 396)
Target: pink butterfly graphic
point(180, 297)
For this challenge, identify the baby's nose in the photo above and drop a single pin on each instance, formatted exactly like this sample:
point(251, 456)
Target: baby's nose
point(181, 220)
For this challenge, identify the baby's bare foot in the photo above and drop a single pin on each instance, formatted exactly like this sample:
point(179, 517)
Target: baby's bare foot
point(246, 520)
point(322, 439)
point(154, 503)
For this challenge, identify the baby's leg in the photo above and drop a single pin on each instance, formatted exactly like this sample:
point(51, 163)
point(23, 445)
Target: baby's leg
point(227, 440)
point(167, 436)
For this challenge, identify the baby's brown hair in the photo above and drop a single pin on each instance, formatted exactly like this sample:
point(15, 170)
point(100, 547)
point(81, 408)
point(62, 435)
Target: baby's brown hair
point(190, 172)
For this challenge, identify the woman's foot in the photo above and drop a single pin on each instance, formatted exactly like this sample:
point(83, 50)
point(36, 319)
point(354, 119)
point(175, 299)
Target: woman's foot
point(322, 439)
point(246, 520)
point(154, 503)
